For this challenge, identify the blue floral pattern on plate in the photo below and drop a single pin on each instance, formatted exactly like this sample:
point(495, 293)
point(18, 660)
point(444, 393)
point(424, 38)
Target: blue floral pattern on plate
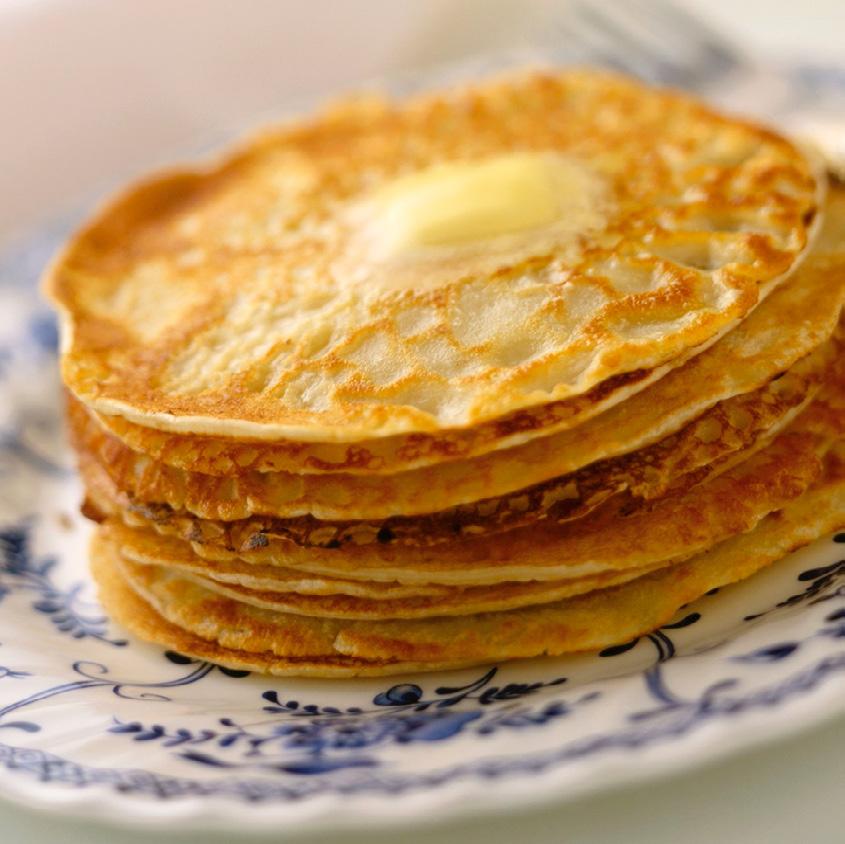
point(129, 729)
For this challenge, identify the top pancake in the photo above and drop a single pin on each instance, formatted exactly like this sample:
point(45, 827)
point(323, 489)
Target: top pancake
point(247, 299)
point(756, 350)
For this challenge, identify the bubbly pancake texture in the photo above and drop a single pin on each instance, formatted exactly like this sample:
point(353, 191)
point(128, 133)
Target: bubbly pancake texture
point(742, 361)
point(224, 456)
point(221, 301)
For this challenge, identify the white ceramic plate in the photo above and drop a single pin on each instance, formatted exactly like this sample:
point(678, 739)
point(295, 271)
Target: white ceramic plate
point(93, 722)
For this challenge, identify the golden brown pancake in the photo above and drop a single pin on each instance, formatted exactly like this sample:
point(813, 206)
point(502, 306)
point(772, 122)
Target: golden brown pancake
point(335, 599)
point(609, 616)
point(497, 495)
point(513, 369)
point(130, 610)
point(152, 548)
point(741, 362)
point(274, 294)
point(178, 613)
point(611, 538)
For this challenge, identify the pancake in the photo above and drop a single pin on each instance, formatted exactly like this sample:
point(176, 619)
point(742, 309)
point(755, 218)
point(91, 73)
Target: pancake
point(518, 368)
point(498, 495)
point(137, 616)
point(178, 613)
point(830, 243)
point(311, 536)
point(335, 599)
point(741, 362)
point(612, 538)
point(148, 546)
point(224, 456)
point(289, 292)
point(433, 530)
point(606, 617)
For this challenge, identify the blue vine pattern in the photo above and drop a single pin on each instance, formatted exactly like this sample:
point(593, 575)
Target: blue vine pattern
point(96, 675)
point(782, 650)
point(7, 673)
point(310, 739)
point(663, 643)
point(673, 716)
point(314, 740)
point(66, 608)
point(825, 584)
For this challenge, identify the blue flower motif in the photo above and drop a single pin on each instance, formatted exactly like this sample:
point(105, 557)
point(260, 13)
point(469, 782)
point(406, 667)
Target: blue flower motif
point(311, 739)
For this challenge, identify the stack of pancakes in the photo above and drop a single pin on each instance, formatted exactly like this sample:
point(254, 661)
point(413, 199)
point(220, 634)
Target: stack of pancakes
point(513, 369)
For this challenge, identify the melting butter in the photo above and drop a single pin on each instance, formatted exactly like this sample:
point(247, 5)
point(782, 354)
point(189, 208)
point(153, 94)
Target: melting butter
point(454, 203)
point(427, 228)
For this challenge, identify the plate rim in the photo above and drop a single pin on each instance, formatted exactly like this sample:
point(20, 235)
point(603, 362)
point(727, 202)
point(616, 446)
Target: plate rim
point(466, 798)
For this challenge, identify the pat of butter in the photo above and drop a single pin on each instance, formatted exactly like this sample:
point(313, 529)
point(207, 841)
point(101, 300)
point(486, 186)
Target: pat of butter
point(457, 203)
point(451, 221)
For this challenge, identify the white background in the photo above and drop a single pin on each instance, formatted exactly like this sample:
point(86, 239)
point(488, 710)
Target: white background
point(94, 91)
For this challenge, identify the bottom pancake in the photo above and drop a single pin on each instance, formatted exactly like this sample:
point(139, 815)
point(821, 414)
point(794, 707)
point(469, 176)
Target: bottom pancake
point(165, 607)
point(126, 607)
